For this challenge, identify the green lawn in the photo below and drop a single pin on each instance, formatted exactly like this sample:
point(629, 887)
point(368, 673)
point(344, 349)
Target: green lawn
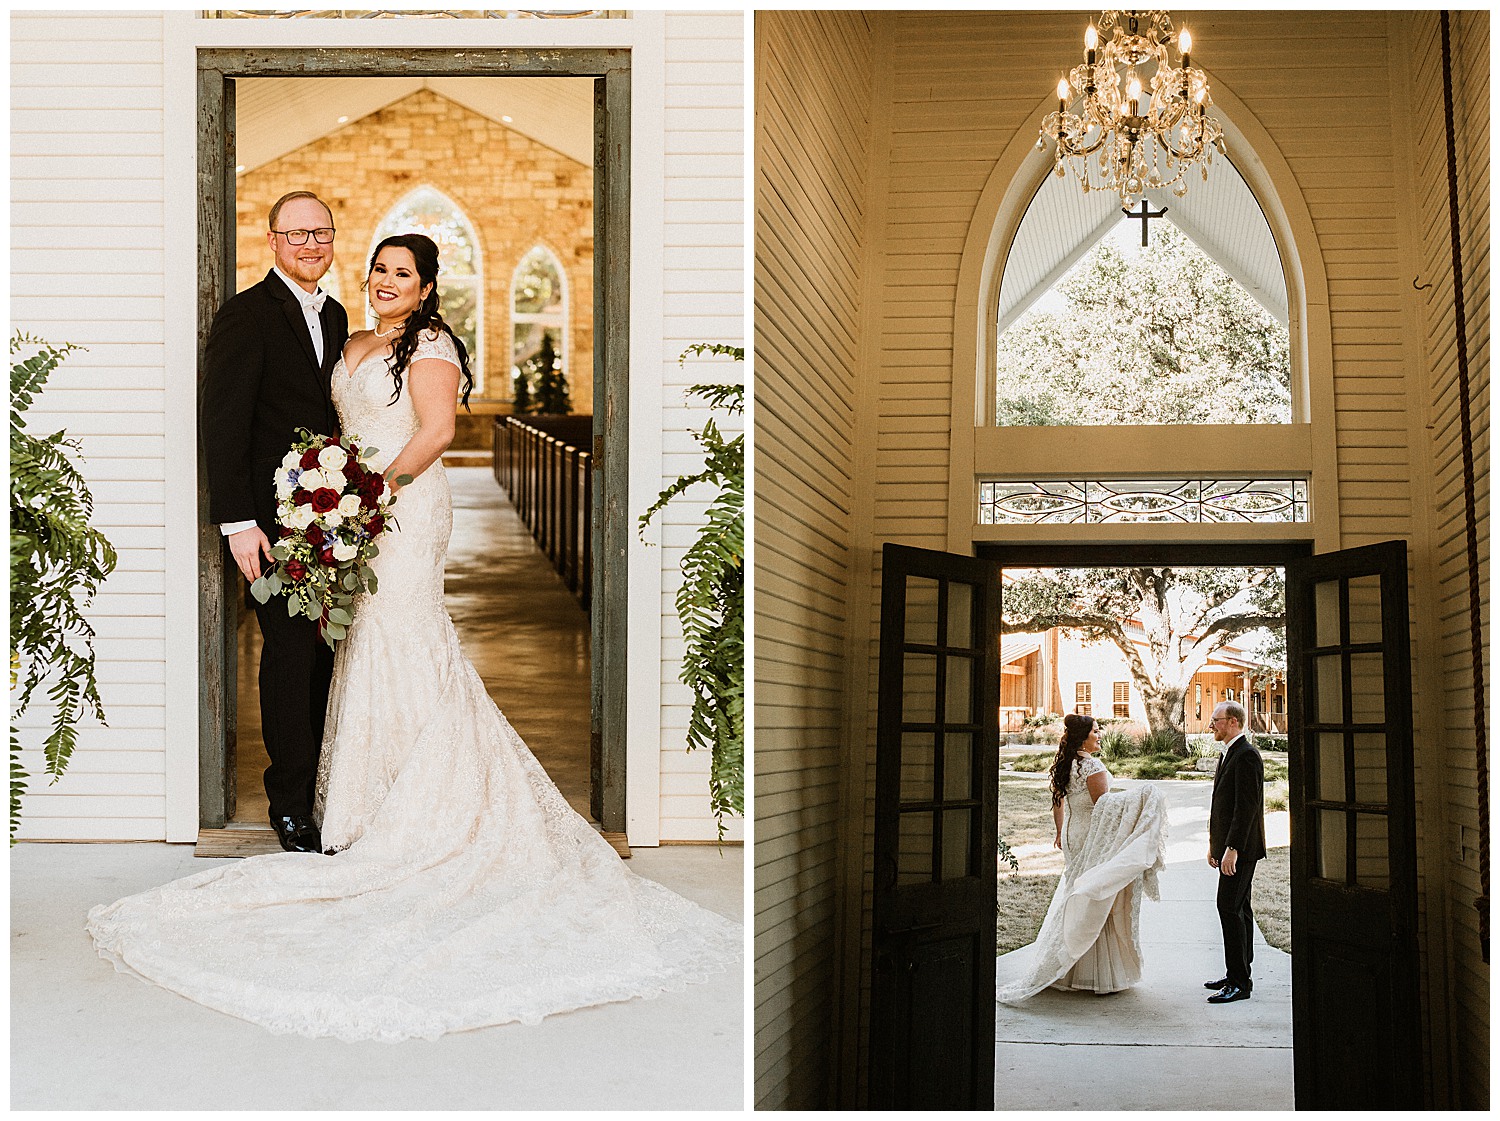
point(1025, 820)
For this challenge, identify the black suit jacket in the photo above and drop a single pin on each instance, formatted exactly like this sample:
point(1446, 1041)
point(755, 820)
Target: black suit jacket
point(262, 381)
point(1237, 818)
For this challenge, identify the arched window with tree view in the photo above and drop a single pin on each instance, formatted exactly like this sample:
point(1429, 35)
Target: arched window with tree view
point(1095, 328)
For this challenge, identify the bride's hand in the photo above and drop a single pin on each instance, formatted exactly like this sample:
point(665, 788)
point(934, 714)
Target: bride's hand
point(1057, 841)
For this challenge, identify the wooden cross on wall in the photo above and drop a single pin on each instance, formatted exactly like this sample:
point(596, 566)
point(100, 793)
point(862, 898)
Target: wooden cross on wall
point(1145, 214)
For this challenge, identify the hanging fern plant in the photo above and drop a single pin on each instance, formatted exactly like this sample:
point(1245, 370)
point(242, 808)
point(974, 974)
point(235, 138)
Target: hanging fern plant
point(711, 601)
point(57, 562)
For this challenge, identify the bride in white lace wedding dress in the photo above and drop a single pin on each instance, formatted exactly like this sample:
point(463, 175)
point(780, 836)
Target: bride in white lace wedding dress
point(1113, 845)
point(464, 891)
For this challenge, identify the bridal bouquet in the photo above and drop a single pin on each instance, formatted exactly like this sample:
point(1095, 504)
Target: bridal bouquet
point(331, 506)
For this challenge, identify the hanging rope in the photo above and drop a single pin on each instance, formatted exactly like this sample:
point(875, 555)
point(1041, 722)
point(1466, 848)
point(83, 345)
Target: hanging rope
point(1471, 531)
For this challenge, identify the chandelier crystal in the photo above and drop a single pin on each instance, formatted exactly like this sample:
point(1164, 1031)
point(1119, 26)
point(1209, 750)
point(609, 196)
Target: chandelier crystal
point(1122, 139)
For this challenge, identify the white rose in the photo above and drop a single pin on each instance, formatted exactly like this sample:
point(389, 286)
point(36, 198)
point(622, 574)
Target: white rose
point(333, 519)
point(334, 480)
point(349, 505)
point(331, 457)
point(292, 459)
point(301, 517)
point(344, 551)
point(285, 488)
point(311, 479)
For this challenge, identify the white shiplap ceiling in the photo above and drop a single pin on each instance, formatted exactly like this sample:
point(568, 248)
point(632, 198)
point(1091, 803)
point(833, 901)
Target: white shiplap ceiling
point(274, 116)
point(1220, 215)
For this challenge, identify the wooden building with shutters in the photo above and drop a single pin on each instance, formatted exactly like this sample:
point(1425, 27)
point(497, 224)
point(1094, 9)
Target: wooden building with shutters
point(896, 159)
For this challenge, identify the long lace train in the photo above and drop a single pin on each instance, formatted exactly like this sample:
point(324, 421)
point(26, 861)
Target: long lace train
point(1091, 936)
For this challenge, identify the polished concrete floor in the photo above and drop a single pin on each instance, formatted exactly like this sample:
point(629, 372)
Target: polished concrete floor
point(519, 625)
point(86, 1038)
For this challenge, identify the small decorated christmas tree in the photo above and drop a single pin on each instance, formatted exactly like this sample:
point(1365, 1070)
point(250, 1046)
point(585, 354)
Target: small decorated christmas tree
point(521, 402)
point(551, 382)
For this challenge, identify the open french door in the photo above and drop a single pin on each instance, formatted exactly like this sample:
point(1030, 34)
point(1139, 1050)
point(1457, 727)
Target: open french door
point(936, 776)
point(1356, 1017)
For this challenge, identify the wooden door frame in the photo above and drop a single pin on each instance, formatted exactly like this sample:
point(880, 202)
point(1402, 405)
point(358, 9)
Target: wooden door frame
point(611, 68)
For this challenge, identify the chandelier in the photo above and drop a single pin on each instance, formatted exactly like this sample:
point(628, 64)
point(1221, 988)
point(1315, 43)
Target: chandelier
point(1121, 139)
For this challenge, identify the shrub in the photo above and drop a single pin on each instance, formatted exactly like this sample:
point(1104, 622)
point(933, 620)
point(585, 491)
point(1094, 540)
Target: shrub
point(1275, 770)
point(1270, 741)
point(1036, 761)
point(1276, 795)
point(1147, 766)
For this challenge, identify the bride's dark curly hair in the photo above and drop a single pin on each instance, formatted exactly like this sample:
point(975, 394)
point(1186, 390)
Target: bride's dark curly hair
point(427, 317)
point(1076, 729)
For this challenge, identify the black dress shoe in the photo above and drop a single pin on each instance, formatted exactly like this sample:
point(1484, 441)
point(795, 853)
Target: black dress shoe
point(297, 833)
point(1216, 985)
point(1229, 993)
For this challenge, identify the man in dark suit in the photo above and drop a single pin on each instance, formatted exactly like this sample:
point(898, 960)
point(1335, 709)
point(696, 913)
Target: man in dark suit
point(1236, 840)
point(270, 355)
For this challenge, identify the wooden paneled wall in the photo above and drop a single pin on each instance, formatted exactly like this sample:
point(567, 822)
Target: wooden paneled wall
point(813, 81)
point(1453, 857)
point(952, 92)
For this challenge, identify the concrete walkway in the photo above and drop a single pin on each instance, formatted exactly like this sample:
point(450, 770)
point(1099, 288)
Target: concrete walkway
point(1159, 1045)
point(85, 1037)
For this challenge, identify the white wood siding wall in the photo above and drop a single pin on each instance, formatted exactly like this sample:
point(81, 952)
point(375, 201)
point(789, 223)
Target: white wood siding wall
point(1326, 98)
point(87, 234)
point(703, 301)
point(1455, 853)
point(812, 98)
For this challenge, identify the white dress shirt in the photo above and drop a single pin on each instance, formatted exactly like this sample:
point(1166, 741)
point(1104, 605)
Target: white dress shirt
point(312, 304)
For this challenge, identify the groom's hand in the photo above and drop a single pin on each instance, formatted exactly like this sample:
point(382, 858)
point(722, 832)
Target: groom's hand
point(247, 546)
point(1228, 862)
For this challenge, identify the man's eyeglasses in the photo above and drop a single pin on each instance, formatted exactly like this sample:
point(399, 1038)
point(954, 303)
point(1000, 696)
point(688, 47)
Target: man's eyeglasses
point(322, 236)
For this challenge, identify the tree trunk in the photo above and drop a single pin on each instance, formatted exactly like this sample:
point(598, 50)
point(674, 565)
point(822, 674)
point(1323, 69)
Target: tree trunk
point(1165, 715)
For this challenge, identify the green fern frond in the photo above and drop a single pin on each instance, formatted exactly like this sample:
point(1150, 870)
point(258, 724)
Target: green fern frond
point(711, 601)
point(57, 563)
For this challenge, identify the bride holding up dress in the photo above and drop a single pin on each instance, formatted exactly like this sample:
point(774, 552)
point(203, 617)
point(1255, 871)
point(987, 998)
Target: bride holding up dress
point(461, 889)
point(1113, 845)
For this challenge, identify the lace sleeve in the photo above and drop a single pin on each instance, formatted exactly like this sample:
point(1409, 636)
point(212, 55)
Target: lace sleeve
point(435, 344)
point(1089, 765)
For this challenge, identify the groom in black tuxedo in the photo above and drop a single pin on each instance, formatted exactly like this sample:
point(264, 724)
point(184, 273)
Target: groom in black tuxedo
point(271, 351)
point(1236, 840)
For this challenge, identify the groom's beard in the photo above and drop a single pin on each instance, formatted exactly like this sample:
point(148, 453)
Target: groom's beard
point(309, 271)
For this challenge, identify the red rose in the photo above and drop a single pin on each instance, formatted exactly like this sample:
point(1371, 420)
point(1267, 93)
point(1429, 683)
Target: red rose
point(314, 536)
point(295, 570)
point(325, 555)
point(351, 465)
point(325, 499)
point(285, 531)
point(375, 525)
point(309, 459)
point(302, 497)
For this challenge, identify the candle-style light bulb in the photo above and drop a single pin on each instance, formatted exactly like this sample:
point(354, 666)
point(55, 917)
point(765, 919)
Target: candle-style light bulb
point(1133, 95)
point(1062, 89)
point(1091, 42)
point(1185, 45)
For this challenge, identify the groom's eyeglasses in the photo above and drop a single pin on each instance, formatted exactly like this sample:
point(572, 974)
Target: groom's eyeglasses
point(322, 236)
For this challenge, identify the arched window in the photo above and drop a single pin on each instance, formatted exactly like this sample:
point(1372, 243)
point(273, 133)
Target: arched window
point(1095, 328)
point(460, 265)
point(538, 307)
